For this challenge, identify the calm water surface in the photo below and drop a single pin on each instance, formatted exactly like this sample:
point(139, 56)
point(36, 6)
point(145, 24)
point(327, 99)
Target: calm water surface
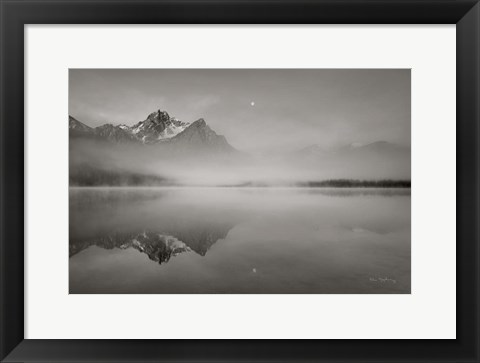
point(227, 240)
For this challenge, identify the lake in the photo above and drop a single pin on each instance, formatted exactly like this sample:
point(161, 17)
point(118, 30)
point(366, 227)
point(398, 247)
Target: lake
point(239, 240)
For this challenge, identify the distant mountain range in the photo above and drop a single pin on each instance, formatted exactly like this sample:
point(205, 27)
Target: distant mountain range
point(376, 160)
point(157, 128)
point(160, 128)
point(163, 150)
point(377, 147)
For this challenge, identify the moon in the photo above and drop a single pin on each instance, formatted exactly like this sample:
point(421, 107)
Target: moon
point(252, 103)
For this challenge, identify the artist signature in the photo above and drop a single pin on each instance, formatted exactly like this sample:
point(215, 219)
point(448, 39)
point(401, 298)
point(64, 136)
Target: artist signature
point(383, 280)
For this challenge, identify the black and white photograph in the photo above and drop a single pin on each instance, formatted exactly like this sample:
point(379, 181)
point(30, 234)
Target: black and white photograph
point(239, 181)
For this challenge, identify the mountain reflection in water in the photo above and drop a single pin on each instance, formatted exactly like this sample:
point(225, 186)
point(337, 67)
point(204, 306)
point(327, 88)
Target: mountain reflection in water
point(159, 246)
point(228, 240)
point(153, 224)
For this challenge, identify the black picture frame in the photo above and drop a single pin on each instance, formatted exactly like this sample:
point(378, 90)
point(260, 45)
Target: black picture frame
point(15, 14)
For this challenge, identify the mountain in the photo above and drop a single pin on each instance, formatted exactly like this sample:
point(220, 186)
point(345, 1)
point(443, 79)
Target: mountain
point(162, 150)
point(114, 133)
point(157, 128)
point(354, 148)
point(376, 160)
point(107, 132)
point(383, 149)
point(77, 128)
point(199, 136)
point(377, 146)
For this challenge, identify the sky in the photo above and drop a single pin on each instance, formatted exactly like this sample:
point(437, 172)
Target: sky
point(258, 110)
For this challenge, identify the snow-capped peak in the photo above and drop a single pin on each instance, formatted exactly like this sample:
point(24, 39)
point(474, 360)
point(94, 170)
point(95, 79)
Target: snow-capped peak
point(158, 126)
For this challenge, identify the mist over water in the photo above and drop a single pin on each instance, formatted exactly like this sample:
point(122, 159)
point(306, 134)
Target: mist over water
point(239, 240)
point(194, 167)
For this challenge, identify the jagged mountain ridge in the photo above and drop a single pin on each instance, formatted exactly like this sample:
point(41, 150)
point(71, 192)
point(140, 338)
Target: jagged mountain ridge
point(199, 134)
point(193, 154)
point(157, 128)
point(78, 128)
point(113, 133)
point(108, 132)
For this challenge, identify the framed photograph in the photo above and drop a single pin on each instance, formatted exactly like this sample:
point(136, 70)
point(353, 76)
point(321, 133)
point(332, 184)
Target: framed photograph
point(227, 213)
point(240, 181)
